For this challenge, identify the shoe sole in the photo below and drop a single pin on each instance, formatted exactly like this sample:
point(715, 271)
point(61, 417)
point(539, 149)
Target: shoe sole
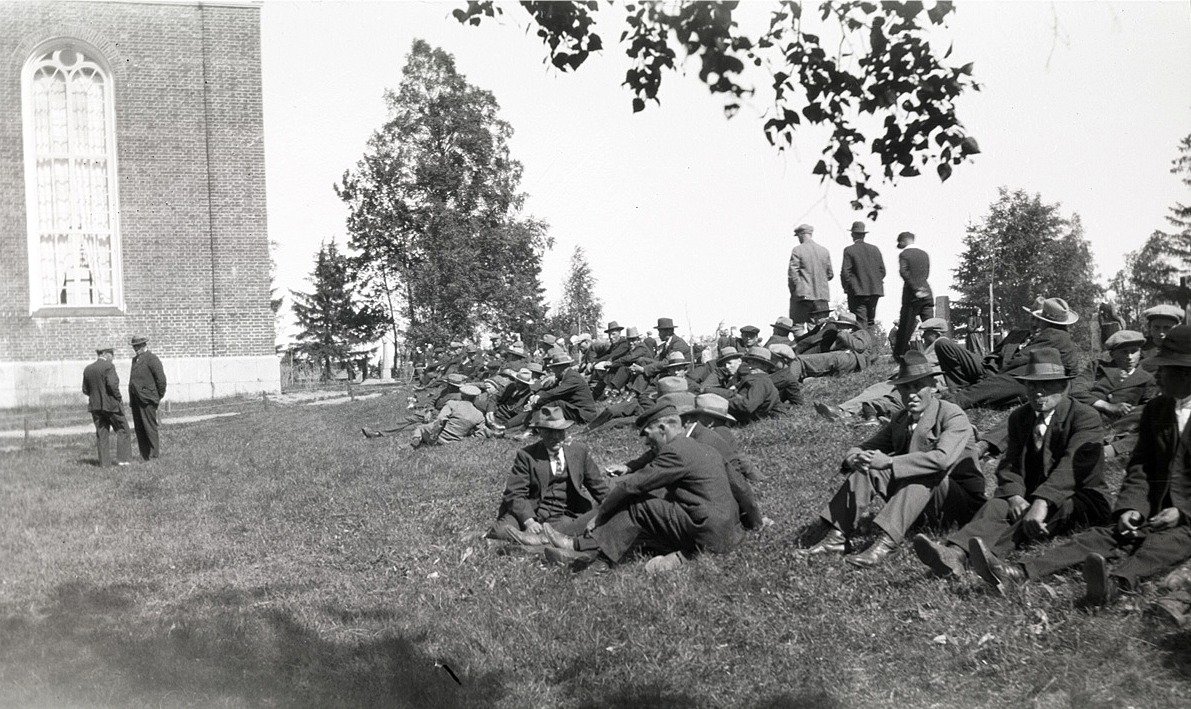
point(1095, 575)
point(979, 561)
point(926, 552)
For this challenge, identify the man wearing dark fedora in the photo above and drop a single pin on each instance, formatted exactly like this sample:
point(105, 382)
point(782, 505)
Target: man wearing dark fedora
point(808, 277)
point(1151, 522)
point(996, 384)
point(918, 301)
point(680, 504)
point(101, 386)
point(862, 274)
point(921, 464)
point(1050, 481)
point(552, 481)
point(669, 342)
point(146, 389)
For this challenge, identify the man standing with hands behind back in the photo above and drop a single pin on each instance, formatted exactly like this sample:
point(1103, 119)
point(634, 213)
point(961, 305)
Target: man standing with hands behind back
point(913, 264)
point(101, 384)
point(807, 277)
point(862, 275)
point(146, 389)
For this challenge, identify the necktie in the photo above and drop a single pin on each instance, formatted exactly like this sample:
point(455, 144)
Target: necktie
point(1039, 432)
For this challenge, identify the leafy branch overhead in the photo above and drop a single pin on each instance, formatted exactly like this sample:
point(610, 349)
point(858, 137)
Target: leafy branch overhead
point(866, 71)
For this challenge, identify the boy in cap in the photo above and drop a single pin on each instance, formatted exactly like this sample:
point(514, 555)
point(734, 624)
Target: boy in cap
point(101, 385)
point(1160, 320)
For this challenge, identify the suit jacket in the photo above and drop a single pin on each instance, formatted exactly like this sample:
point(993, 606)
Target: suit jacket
point(147, 381)
point(862, 271)
point(694, 476)
point(573, 394)
point(1072, 455)
point(756, 397)
point(1015, 360)
point(1147, 484)
point(939, 446)
point(1102, 381)
point(101, 384)
point(619, 349)
point(530, 476)
point(674, 344)
point(913, 265)
point(810, 271)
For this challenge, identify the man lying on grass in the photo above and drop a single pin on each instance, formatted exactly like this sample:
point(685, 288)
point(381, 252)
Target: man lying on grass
point(921, 463)
point(552, 481)
point(696, 512)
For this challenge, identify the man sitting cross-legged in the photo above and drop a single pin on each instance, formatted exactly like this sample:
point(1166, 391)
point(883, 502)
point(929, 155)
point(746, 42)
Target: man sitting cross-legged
point(680, 503)
point(1050, 480)
point(920, 463)
point(551, 481)
point(1152, 531)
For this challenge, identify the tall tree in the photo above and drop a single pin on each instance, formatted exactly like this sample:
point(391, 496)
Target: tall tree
point(857, 63)
point(435, 207)
point(334, 322)
point(1026, 248)
point(1151, 274)
point(579, 309)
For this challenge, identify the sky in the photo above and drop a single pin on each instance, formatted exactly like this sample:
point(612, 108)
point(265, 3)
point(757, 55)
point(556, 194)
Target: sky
point(689, 215)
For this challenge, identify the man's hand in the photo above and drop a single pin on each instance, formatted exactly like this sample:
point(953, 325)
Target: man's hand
point(858, 461)
point(877, 460)
point(1033, 522)
point(618, 469)
point(1117, 410)
point(1129, 523)
point(636, 368)
point(1017, 507)
point(533, 526)
point(1165, 519)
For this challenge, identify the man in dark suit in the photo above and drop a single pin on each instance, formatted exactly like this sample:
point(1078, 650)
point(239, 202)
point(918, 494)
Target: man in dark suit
point(1118, 388)
point(570, 391)
point(995, 384)
point(920, 463)
point(681, 503)
point(101, 385)
point(669, 342)
point(146, 389)
point(782, 327)
point(756, 395)
point(1152, 529)
point(1050, 480)
point(552, 481)
point(918, 302)
point(862, 274)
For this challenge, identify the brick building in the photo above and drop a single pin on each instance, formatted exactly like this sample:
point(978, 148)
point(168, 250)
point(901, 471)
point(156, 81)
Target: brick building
point(132, 196)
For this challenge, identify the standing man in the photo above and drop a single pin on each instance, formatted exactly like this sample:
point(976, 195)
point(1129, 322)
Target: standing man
point(807, 277)
point(101, 384)
point(862, 274)
point(917, 299)
point(146, 389)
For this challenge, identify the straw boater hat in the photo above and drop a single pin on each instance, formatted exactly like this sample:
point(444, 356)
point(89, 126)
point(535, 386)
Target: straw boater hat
point(1053, 310)
point(515, 349)
point(783, 323)
point(1045, 365)
point(613, 326)
point(914, 366)
point(665, 324)
point(1124, 338)
point(713, 405)
point(550, 417)
point(676, 360)
point(727, 354)
point(1165, 310)
point(1175, 350)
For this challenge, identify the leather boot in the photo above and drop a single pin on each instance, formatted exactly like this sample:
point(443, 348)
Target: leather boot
point(834, 542)
point(943, 559)
point(995, 572)
point(882, 547)
point(1102, 588)
point(557, 539)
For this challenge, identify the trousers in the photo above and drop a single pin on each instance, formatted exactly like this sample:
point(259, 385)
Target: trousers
point(936, 499)
point(1002, 536)
point(1139, 558)
point(105, 423)
point(144, 421)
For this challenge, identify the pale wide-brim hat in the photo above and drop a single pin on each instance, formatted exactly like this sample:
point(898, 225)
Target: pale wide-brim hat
point(713, 405)
point(1054, 310)
point(551, 417)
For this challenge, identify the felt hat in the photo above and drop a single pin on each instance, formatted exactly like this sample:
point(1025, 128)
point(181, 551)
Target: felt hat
point(1175, 350)
point(760, 356)
point(783, 323)
point(914, 366)
point(469, 390)
point(139, 340)
point(613, 326)
point(560, 358)
point(1124, 338)
point(1165, 310)
point(1045, 365)
point(713, 405)
point(845, 319)
point(682, 401)
point(536, 368)
point(676, 360)
point(820, 309)
point(665, 324)
point(550, 416)
point(859, 228)
point(515, 350)
point(670, 385)
point(456, 380)
point(581, 337)
point(547, 339)
point(804, 229)
point(631, 333)
point(524, 376)
point(750, 330)
point(726, 354)
point(654, 413)
point(786, 352)
point(1053, 310)
point(905, 236)
point(933, 324)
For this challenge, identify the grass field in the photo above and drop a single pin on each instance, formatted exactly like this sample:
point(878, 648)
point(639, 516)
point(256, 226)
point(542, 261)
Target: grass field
point(280, 560)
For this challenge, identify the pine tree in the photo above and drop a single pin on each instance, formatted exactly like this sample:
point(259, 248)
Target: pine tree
point(579, 310)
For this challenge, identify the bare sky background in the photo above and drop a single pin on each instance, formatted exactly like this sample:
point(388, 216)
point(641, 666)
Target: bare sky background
point(688, 215)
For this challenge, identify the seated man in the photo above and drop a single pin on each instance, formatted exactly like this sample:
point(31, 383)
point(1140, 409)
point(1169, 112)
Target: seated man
point(782, 328)
point(711, 412)
point(756, 395)
point(920, 463)
point(784, 379)
point(457, 420)
point(750, 336)
point(681, 503)
point(1160, 320)
point(1152, 531)
point(842, 350)
point(552, 481)
point(569, 391)
point(997, 385)
point(1050, 480)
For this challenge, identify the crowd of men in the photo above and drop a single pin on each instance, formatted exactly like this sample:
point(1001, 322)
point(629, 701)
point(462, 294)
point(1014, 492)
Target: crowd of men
point(691, 490)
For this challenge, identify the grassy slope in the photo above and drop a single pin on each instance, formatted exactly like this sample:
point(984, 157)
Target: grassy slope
point(281, 560)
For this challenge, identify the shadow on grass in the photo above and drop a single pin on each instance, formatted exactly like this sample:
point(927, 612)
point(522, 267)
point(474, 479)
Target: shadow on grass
point(659, 698)
point(100, 646)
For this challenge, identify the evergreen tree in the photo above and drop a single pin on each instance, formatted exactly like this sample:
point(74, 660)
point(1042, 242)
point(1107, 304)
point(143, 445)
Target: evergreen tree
point(579, 310)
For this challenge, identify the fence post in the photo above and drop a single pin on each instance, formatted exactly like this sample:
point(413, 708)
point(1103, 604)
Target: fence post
point(264, 399)
point(26, 420)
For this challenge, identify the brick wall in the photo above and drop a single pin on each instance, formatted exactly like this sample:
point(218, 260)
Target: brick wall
point(191, 180)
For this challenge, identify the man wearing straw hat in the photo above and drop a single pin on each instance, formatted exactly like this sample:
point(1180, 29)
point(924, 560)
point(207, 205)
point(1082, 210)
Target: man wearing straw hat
point(862, 274)
point(1049, 482)
point(920, 463)
point(101, 385)
point(552, 481)
point(1151, 529)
